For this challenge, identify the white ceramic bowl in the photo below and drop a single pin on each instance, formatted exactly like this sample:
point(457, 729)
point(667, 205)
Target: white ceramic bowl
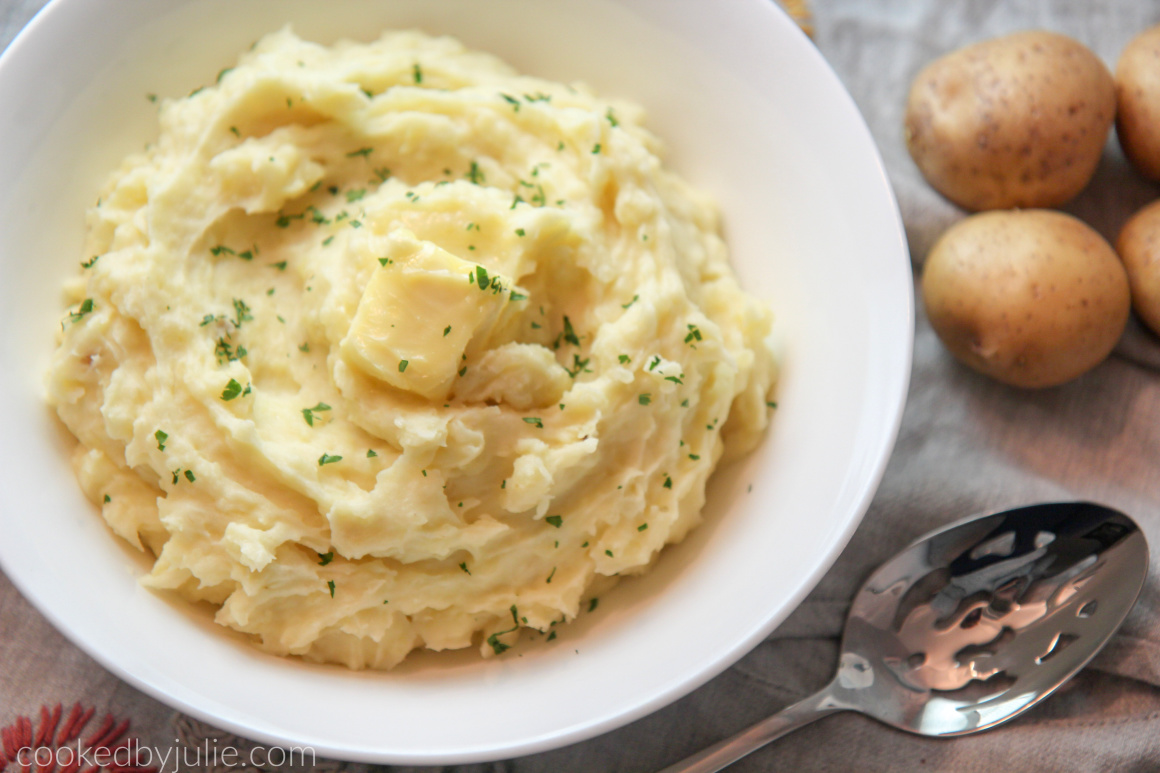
point(750, 111)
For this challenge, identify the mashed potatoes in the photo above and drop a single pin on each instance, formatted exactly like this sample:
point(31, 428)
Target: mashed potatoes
point(384, 346)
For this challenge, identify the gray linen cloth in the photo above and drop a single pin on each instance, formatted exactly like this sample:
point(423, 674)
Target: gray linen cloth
point(967, 444)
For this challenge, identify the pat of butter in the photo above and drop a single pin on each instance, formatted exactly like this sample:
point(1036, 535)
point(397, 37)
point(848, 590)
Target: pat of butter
point(420, 309)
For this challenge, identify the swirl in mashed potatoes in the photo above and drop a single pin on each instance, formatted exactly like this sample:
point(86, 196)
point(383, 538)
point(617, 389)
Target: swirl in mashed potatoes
point(384, 346)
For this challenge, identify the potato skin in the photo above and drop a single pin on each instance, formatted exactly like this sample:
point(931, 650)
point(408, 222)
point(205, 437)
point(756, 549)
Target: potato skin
point(1138, 102)
point(1017, 121)
point(1139, 248)
point(1032, 298)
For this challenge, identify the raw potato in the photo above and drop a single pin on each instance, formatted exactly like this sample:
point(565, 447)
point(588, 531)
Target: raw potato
point(1018, 121)
point(1139, 248)
point(1032, 298)
point(1138, 102)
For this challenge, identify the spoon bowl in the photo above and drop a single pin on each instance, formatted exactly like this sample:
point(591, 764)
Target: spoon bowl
point(972, 624)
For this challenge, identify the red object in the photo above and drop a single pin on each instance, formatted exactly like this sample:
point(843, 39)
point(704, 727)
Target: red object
point(108, 738)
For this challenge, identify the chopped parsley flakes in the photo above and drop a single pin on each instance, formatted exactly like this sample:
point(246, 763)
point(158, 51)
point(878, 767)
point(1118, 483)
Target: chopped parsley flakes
point(234, 389)
point(475, 174)
point(86, 307)
point(569, 333)
point(241, 312)
point(493, 641)
point(308, 415)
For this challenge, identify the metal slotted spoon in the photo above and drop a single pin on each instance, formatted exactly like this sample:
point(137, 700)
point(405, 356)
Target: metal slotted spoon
point(972, 624)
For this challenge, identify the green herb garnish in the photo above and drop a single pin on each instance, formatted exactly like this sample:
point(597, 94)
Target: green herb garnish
point(493, 640)
point(569, 333)
point(86, 307)
point(233, 389)
point(475, 174)
point(241, 313)
point(308, 415)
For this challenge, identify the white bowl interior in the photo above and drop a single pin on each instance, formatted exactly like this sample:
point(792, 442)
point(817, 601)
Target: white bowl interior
point(750, 112)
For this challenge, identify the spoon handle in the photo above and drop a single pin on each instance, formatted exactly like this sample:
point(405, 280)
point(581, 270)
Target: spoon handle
point(725, 753)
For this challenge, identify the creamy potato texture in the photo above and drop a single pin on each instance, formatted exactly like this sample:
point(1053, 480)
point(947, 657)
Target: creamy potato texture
point(384, 346)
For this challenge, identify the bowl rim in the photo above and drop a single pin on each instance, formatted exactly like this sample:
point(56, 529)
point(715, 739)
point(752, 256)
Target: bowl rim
point(20, 48)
